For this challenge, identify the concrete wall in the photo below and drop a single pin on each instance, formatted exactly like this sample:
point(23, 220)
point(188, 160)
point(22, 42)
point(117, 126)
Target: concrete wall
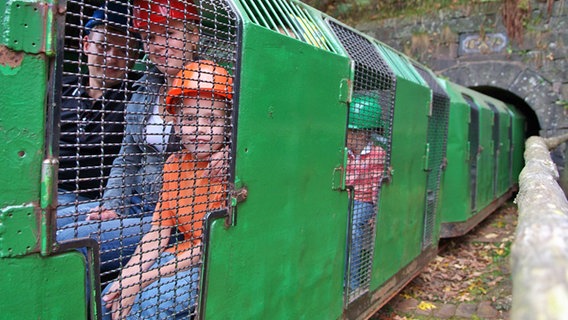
point(470, 46)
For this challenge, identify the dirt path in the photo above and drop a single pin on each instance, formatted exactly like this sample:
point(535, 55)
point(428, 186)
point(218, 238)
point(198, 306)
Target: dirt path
point(470, 278)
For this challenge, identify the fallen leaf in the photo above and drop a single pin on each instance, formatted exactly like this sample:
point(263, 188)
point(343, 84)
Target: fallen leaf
point(426, 306)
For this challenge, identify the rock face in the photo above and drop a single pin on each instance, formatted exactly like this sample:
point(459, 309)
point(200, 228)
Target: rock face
point(470, 46)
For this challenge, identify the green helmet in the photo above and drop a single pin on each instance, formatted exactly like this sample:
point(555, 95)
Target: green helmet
point(365, 111)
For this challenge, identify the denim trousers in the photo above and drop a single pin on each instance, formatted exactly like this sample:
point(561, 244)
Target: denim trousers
point(68, 211)
point(117, 238)
point(173, 297)
point(361, 236)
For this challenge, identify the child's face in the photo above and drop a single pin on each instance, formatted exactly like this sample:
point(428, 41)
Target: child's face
point(170, 46)
point(201, 125)
point(357, 139)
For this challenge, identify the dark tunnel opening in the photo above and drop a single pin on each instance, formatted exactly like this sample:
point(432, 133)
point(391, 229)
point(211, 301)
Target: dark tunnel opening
point(533, 125)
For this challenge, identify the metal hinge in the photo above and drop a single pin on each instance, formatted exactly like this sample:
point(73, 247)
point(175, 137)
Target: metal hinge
point(48, 203)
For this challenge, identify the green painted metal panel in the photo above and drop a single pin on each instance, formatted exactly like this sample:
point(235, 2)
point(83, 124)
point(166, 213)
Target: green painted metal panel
point(437, 136)
point(36, 287)
point(500, 146)
point(22, 122)
point(503, 158)
point(31, 286)
point(455, 199)
point(401, 211)
point(26, 26)
point(285, 257)
point(519, 137)
point(22, 125)
point(18, 231)
point(485, 156)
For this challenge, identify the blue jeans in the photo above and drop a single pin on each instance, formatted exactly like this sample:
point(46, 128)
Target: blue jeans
point(361, 238)
point(173, 297)
point(67, 209)
point(117, 238)
point(68, 212)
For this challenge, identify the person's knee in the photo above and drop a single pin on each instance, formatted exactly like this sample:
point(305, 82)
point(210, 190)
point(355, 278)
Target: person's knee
point(66, 233)
point(67, 215)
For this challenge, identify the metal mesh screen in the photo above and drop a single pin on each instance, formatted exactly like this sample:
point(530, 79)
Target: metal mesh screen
point(368, 144)
point(473, 147)
point(289, 18)
point(437, 140)
point(510, 147)
point(496, 143)
point(146, 128)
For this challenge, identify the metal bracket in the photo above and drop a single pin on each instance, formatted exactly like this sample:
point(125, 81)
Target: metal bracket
point(238, 194)
point(427, 158)
point(338, 175)
point(28, 27)
point(345, 90)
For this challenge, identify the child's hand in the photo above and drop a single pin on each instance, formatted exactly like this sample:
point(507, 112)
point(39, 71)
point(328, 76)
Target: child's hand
point(111, 296)
point(121, 297)
point(219, 163)
point(99, 213)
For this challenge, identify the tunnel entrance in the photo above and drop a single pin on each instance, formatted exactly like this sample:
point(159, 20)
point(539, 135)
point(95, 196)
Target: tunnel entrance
point(533, 125)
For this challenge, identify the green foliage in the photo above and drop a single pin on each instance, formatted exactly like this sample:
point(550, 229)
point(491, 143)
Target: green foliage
point(562, 103)
point(352, 10)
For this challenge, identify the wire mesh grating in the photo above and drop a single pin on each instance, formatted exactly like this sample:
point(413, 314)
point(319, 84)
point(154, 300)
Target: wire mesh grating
point(437, 137)
point(473, 147)
point(146, 131)
point(368, 143)
point(496, 143)
point(289, 18)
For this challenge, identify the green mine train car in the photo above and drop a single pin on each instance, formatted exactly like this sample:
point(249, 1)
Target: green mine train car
point(322, 169)
point(483, 141)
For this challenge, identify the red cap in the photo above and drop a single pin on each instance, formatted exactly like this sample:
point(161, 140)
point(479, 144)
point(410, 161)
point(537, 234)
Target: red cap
point(158, 11)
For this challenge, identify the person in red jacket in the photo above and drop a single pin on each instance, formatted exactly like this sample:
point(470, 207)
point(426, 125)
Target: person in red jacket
point(365, 167)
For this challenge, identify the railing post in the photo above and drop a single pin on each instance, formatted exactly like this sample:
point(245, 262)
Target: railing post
point(540, 253)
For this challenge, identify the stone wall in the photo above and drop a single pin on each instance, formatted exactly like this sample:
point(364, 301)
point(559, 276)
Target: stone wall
point(471, 47)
